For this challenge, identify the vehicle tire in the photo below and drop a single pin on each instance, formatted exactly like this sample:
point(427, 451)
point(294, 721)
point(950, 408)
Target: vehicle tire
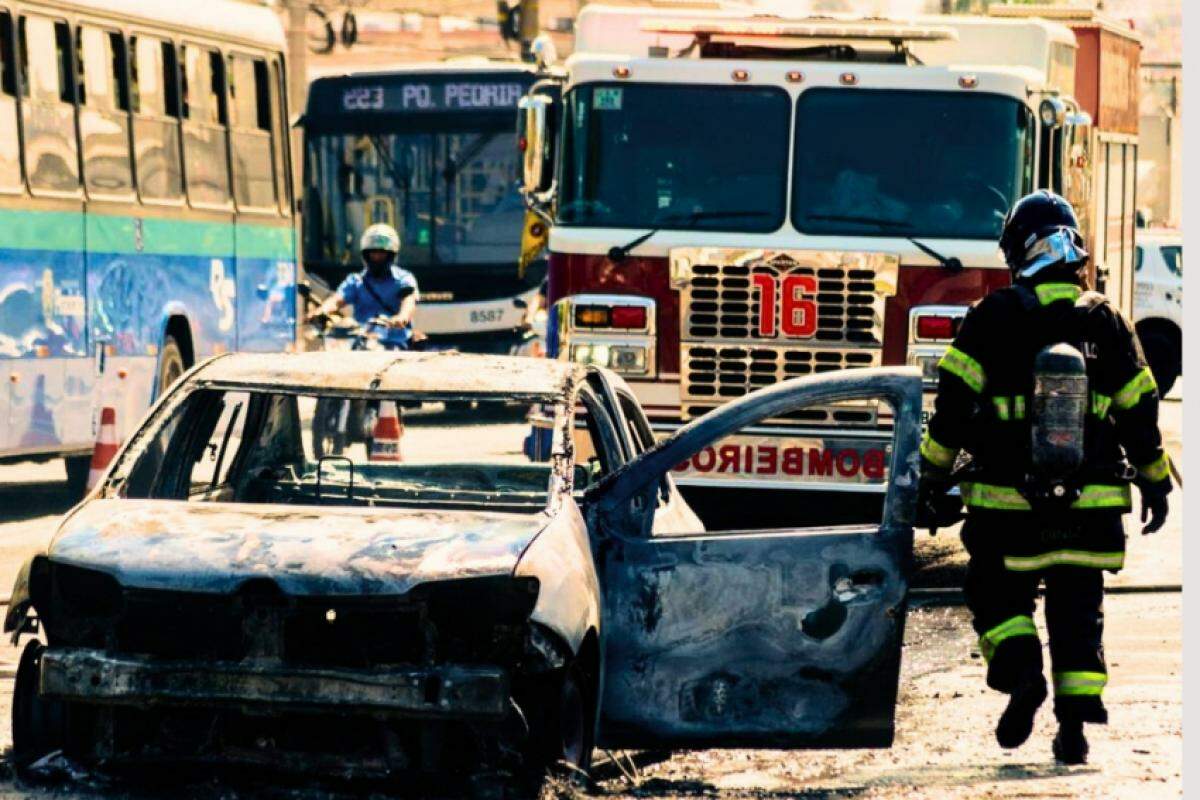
point(326, 439)
point(1164, 358)
point(78, 468)
point(38, 724)
point(170, 364)
point(562, 733)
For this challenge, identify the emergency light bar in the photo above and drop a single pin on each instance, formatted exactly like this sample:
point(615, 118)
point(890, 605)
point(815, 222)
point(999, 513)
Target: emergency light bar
point(864, 30)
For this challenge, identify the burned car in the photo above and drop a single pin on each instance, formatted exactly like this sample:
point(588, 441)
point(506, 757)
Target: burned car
point(439, 601)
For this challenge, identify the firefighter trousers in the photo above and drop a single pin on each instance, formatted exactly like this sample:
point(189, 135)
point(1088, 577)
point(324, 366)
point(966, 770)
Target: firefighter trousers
point(1002, 602)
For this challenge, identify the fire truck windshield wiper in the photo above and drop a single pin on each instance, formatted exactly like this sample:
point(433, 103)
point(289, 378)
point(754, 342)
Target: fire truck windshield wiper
point(952, 263)
point(617, 253)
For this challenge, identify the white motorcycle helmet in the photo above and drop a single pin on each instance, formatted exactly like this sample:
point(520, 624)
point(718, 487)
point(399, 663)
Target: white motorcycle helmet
point(379, 237)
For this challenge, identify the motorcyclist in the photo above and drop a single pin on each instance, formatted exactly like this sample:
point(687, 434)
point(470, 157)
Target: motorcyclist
point(382, 291)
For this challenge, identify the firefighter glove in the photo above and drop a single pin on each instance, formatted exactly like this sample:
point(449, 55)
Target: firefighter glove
point(1153, 503)
point(936, 508)
point(1155, 507)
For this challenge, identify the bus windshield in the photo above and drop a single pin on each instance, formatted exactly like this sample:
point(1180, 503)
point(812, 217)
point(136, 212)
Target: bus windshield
point(967, 157)
point(675, 156)
point(451, 196)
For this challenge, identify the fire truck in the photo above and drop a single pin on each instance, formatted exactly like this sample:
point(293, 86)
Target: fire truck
point(736, 199)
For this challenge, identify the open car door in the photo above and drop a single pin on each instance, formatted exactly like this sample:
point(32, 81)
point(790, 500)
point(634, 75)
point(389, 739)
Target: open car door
point(777, 638)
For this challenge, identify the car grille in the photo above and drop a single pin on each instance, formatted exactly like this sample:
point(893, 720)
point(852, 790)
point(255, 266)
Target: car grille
point(723, 353)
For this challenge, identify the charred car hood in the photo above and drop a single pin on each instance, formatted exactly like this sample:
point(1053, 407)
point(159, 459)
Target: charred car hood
point(215, 547)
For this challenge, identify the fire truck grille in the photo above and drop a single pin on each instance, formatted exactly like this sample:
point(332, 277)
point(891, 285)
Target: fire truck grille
point(723, 302)
point(715, 374)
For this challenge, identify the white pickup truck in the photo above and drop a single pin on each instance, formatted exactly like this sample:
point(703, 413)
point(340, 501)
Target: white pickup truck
point(1158, 302)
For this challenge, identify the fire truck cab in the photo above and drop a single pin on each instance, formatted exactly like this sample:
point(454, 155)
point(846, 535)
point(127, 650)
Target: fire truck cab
point(735, 199)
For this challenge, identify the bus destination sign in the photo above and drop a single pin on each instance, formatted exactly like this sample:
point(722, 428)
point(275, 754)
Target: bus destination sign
point(432, 96)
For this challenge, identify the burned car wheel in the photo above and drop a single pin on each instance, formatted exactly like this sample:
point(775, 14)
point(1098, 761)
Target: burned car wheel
point(38, 724)
point(562, 733)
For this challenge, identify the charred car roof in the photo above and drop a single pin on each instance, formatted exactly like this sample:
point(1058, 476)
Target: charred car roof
point(371, 372)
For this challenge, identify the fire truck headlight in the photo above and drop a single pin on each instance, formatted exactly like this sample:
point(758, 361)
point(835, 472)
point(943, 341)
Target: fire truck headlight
point(926, 359)
point(628, 360)
point(621, 358)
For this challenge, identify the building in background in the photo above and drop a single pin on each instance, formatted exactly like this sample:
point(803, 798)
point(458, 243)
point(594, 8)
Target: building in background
point(1160, 132)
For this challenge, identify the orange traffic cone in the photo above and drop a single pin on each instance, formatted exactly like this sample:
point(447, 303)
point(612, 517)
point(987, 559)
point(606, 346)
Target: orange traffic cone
point(385, 439)
point(106, 445)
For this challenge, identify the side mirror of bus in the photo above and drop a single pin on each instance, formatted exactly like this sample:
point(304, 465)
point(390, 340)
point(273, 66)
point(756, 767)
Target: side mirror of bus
point(535, 140)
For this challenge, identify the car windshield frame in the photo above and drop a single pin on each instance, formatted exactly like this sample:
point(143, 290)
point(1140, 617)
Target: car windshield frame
point(583, 163)
point(167, 441)
point(867, 210)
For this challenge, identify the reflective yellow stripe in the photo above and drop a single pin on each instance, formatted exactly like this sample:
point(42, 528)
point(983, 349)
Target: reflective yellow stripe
point(1049, 293)
point(1079, 684)
point(958, 363)
point(1104, 497)
point(1131, 393)
point(985, 495)
point(1001, 407)
point(1014, 626)
point(937, 453)
point(1020, 407)
point(1065, 558)
point(1007, 498)
point(1156, 470)
point(1100, 404)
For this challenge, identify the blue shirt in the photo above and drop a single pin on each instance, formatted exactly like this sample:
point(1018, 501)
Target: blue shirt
point(390, 290)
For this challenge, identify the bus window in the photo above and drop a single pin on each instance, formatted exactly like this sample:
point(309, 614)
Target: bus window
point(283, 140)
point(250, 121)
point(154, 98)
point(51, 152)
point(10, 140)
point(205, 148)
point(104, 114)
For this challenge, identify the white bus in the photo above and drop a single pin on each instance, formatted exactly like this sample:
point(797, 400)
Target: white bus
point(146, 214)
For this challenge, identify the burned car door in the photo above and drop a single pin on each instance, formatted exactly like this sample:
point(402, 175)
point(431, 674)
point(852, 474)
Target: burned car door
point(778, 638)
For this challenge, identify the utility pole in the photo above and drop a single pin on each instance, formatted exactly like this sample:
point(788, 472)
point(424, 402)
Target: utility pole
point(529, 26)
point(297, 42)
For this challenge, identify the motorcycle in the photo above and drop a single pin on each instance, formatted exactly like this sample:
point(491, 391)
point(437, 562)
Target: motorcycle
point(339, 423)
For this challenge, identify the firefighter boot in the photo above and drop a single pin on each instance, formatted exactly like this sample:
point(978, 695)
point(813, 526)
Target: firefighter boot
point(1070, 745)
point(1016, 723)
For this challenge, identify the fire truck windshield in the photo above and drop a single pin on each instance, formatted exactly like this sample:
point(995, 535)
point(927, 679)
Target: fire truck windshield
point(675, 156)
point(967, 157)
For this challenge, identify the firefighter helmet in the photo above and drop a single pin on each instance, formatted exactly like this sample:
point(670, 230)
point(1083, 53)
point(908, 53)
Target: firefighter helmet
point(1040, 230)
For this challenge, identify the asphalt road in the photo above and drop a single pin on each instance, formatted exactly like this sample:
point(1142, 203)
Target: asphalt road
point(944, 747)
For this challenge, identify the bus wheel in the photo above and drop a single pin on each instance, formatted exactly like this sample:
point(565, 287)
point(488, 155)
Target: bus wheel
point(77, 474)
point(170, 364)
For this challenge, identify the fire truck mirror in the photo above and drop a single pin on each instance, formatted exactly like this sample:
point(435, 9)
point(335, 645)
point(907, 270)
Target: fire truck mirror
point(535, 140)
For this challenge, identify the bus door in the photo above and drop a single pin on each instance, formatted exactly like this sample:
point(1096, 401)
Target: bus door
point(264, 237)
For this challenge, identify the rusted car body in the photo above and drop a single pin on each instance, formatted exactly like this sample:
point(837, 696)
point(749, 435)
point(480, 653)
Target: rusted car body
point(383, 618)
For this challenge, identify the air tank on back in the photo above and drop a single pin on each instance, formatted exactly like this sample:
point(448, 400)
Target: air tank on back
point(1060, 395)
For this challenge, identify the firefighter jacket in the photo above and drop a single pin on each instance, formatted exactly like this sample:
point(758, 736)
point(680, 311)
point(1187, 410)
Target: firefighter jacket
point(984, 398)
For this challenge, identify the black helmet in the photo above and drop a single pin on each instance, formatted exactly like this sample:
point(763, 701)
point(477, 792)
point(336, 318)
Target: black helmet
point(1041, 229)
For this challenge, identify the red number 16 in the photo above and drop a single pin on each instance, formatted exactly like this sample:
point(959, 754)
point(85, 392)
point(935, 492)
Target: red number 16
point(799, 311)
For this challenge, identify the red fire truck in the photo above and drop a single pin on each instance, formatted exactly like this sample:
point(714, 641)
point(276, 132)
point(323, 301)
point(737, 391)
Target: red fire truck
point(736, 199)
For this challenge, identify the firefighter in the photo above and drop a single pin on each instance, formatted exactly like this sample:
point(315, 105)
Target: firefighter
point(1046, 412)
